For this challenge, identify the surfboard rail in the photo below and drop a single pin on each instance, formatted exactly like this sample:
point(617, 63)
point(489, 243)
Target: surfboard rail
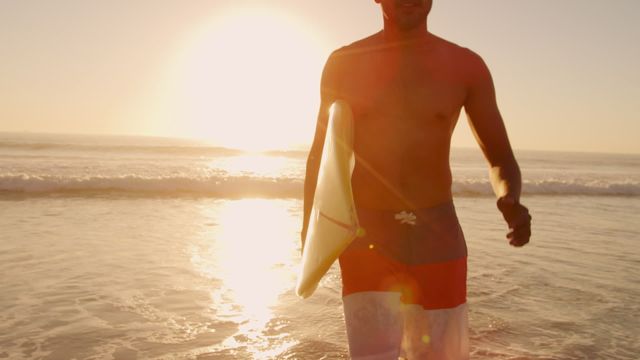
point(333, 224)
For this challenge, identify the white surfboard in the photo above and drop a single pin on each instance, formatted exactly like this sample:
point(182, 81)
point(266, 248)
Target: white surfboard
point(333, 223)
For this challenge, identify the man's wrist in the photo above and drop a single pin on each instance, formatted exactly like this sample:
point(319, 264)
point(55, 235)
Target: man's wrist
point(509, 199)
point(512, 211)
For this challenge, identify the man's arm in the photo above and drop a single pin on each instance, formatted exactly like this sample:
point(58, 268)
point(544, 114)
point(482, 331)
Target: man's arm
point(488, 127)
point(328, 94)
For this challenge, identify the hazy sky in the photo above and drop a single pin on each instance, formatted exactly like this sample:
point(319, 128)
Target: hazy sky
point(566, 71)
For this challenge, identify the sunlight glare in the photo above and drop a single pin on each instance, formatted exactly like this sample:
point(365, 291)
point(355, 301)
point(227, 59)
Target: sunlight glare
point(249, 79)
point(251, 251)
point(260, 165)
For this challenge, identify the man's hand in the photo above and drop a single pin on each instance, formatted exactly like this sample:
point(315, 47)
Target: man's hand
point(518, 218)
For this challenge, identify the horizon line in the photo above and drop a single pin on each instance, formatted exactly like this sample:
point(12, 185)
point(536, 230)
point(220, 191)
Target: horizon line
point(297, 147)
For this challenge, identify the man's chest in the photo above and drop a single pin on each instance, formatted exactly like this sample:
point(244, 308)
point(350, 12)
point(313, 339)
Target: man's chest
point(407, 87)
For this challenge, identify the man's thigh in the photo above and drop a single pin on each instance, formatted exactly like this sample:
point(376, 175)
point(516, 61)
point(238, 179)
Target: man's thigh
point(374, 321)
point(440, 334)
point(380, 327)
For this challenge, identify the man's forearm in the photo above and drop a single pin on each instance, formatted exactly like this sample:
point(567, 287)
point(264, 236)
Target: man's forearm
point(506, 180)
point(507, 184)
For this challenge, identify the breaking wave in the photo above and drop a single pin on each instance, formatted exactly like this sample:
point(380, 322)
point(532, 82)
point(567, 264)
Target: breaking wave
point(280, 187)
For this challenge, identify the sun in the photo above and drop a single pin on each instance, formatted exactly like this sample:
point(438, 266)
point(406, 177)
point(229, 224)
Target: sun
point(249, 79)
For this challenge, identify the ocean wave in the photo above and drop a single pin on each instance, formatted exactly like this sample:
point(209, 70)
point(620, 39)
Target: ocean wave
point(223, 187)
point(281, 187)
point(555, 187)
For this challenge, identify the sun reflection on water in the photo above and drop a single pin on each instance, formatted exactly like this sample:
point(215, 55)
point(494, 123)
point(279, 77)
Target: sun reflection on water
point(258, 164)
point(251, 250)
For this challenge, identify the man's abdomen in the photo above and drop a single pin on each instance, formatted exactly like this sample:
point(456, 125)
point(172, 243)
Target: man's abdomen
point(412, 189)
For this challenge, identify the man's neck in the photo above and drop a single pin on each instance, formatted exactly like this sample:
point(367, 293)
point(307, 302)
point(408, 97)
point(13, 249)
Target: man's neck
point(391, 33)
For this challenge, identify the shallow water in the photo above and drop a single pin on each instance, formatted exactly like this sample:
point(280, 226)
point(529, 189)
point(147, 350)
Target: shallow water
point(149, 248)
point(125, 277)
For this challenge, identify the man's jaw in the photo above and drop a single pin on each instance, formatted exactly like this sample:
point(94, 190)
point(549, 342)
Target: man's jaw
point(409, 4)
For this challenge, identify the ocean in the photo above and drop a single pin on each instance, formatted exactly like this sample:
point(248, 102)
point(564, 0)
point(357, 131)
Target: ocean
point(116, 247)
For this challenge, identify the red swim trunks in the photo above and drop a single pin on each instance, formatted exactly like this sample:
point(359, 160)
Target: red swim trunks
point(421, 254)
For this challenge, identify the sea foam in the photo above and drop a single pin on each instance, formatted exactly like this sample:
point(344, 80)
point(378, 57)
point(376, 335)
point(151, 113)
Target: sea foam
point(279, 187)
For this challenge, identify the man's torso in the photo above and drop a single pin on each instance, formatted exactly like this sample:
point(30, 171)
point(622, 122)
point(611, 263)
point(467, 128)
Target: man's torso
point(406, 99)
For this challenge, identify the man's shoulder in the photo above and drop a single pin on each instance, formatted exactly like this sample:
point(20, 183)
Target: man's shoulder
point(360, 46)
point(376, 42)
point(461, 53)
point(467, 61)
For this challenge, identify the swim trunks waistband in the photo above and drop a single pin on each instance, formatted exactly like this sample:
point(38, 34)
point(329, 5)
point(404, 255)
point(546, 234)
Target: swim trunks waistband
point(422, 236)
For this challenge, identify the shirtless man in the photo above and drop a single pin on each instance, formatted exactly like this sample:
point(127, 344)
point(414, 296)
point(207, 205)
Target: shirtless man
point(404, 284)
